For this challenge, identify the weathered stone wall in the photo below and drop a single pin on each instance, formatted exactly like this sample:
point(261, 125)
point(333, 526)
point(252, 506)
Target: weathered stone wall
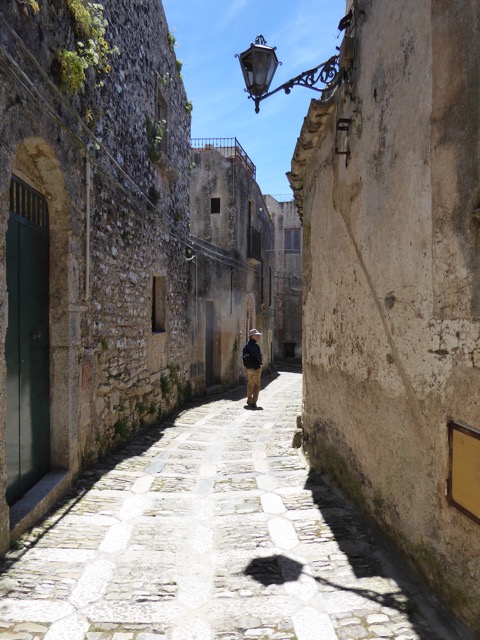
point(391, 334)
point(288, 282)
point(112, 229)
point(224, 275)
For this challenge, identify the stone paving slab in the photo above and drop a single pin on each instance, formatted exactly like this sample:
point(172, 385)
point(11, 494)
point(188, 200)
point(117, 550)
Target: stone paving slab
point(211, 527)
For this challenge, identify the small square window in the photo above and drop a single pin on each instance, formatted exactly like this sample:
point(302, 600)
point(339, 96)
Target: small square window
point(214, 205)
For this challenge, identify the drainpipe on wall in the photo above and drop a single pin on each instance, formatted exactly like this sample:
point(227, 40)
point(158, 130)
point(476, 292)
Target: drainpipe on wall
point(196, 295)
point(87, 230)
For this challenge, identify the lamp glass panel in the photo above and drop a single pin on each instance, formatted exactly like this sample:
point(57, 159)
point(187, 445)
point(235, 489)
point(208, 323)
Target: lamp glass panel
point(258, 65)
point(247, 68)
point(264, 66)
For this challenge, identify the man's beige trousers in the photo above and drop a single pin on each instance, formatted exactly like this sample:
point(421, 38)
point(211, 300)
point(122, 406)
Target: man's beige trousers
point(253, 384)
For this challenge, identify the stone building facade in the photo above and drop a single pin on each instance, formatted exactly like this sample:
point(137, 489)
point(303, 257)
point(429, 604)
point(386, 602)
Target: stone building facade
point(386, 177)
point(94, 282)
point(232, 265)
point(287, 335)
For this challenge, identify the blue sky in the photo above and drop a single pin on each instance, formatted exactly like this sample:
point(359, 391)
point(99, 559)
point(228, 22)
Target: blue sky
point(209, 33)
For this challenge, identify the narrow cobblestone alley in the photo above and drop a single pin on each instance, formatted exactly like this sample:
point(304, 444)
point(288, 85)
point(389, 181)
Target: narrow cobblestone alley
point(210, 527)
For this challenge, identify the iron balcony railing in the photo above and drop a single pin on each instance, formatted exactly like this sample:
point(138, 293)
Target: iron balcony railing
point(228, 147)
point(254, 244)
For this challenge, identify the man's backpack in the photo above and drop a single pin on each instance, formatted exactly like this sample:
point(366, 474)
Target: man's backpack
point(248, 361)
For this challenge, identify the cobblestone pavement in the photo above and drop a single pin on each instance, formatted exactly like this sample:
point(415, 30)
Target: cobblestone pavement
point(210, 527)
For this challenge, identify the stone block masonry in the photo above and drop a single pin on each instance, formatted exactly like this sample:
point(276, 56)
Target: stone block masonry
point(118, 219)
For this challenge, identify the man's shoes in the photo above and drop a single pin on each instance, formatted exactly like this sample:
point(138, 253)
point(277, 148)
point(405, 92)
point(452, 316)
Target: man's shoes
point(253, 405)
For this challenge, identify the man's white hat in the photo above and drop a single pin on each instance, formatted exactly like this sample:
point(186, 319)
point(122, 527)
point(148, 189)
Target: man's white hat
point(254, 332)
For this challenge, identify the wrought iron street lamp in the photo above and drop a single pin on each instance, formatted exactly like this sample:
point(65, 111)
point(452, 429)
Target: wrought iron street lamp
point(259, 63)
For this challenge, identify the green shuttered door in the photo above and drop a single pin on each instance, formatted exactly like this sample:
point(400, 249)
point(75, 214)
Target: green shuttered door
point(27, 342)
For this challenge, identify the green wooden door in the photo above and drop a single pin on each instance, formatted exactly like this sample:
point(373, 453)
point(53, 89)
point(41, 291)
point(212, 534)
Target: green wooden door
point(27, 341)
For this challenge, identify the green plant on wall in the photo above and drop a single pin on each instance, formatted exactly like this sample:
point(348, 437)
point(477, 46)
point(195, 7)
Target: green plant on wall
point(120, 428)
point(155, 132)
point(72, 70)
point(174, 369)
point(27, 6)
point(91, 48)
point(141, 407)
point(185, 392)
point(165, 385)
point(171, 40)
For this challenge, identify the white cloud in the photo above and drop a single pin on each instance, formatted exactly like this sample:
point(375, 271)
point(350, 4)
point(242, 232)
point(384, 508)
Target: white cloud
point(232, 12)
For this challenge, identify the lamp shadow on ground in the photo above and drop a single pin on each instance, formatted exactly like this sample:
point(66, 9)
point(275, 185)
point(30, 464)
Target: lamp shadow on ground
point(368, 557)
point(280, 569)
point(277, 569)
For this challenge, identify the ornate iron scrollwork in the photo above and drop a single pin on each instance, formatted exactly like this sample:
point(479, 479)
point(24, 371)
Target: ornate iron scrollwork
point(328, 74)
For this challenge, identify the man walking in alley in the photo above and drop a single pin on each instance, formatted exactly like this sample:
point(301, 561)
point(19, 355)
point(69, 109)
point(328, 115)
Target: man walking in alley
point(252, 360)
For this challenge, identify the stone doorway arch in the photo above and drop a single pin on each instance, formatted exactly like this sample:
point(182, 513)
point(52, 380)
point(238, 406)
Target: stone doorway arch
point(36, 165)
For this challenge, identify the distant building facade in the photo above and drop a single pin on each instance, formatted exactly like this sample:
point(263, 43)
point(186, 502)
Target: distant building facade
point(232, 267)
point(287, 342)
point(94, 284)
point(386, 179)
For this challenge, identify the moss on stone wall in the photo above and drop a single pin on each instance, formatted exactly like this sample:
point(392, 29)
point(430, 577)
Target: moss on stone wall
point(324, 457)
point(341, 468)
point(451, 589)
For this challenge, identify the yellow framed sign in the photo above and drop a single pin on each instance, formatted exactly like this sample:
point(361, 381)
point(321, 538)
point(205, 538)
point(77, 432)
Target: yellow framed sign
point(463, 489)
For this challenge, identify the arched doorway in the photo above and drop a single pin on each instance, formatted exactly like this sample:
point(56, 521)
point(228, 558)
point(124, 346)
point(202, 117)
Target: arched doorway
point(42, 393)
point(27, 341)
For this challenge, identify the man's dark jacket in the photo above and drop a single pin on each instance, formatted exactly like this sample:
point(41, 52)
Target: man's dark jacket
point(252, 356)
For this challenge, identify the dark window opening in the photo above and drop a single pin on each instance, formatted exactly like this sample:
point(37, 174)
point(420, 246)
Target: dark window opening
point(158, 305)
point(292, 240)
point(289, 349)
point(214, 205)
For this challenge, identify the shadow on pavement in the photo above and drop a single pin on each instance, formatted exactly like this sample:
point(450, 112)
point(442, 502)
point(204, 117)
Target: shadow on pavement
point(369, 555)
point(276, 569)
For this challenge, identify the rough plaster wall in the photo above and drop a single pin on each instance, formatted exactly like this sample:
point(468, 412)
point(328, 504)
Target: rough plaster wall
point(390, 343)
point(101, 372)
point(456, 117)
